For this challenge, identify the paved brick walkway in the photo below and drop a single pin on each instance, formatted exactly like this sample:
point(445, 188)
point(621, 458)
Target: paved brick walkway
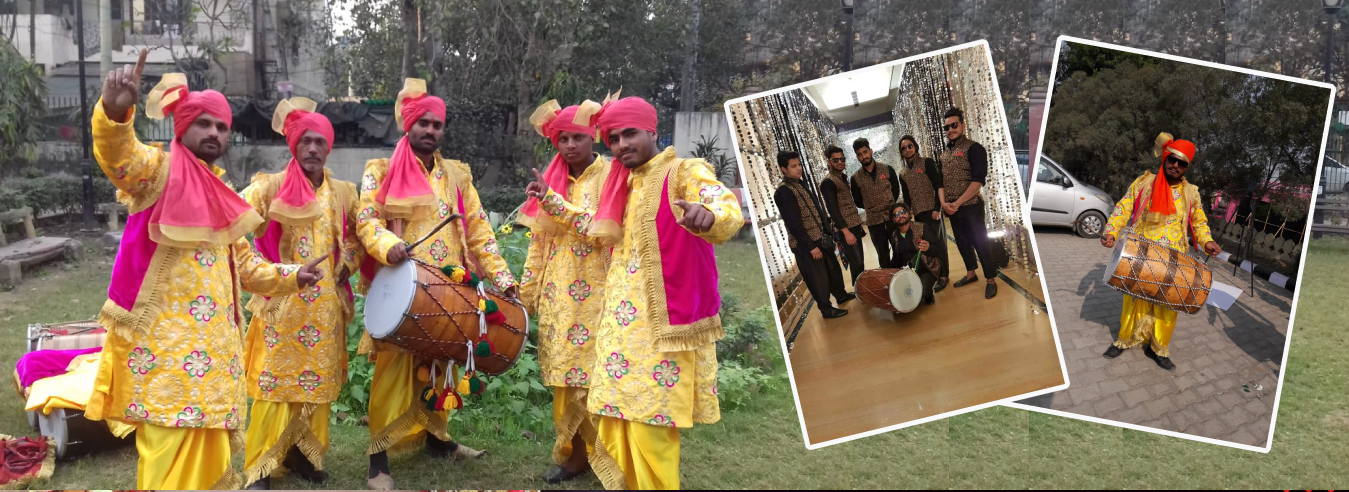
point(1227, 362)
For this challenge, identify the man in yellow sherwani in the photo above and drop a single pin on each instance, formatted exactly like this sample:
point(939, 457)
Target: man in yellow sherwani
point(297, 344)
point(1166, 208)
point(173, 364)
point(655, 355)
point(564, 277)
point(402, 199)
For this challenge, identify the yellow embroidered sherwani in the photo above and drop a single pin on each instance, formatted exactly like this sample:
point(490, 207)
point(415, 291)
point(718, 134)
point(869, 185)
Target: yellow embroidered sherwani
point(173, 364)
point(297, 344)
point(1142, 321)
point(398, 421)
point(563, 281)
point(643, 395)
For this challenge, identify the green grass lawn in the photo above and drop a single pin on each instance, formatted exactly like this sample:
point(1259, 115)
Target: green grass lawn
point(760, 446)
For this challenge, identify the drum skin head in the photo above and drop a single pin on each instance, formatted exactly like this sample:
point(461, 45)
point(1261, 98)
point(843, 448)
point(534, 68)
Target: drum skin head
point(905, 290)
point(1120, 240)
point(389, 297)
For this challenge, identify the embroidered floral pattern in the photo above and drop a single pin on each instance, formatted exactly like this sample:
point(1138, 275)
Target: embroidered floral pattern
point(309, 336)
point(311, 293)
point(626, 313)
point(235, 369)
point(577, 378)
point(439, 250)
point(491, 247)
point(202, 308)
point(579, 290)
point(552, 204)
point(582, 223)
point(191, 417)
point(232, 419)
point(633, 265)
point(666, 373)
point(270, 336)
point(529, 274)
point(197, 364)
point(119, 173)
point(661, 420)
point(504, 280)
point(550, 291)
point(368, 183)
point(440, 173)
point(136, 413)
point(367, 214)
point(309, 380)
point(304, 247)
point(616, 365)
point(266, 381)
point(205, 258)
point(582, 250)
point(141, 360)
point(710, 193)
point(611, 411)
point(578, 334)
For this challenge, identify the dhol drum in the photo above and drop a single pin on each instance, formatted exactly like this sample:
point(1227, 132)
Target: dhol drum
point(71, 433)
point(1158, 273)
point(415, 306)
point(892, 289)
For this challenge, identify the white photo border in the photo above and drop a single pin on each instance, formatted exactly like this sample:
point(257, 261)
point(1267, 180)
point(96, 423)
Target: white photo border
point(1025, 220)
point(1292, 313)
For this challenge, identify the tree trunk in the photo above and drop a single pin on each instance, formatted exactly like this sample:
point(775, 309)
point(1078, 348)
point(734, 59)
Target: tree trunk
point(687, 92)
point(409, 9)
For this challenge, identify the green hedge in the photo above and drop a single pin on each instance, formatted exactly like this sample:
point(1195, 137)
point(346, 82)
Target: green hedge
point(502, 200)
point(59, 193)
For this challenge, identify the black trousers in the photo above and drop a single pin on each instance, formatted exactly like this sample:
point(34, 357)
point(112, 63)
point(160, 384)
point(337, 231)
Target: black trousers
point(939, 248)
point(967, 224)
point(823, 277)
point(880, 238)
point(928, 280)
point(857, 259)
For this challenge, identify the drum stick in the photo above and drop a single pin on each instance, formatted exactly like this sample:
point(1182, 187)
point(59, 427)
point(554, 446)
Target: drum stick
point(433, 232)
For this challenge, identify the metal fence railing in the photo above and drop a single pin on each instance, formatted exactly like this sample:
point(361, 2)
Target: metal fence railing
point(1334, 177)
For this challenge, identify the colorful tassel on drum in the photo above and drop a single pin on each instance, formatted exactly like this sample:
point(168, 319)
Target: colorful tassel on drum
point(463, 386)
point(472, 279)
point(483, 349)
point(456, 273)
point(429, 397)
point(440, 400)
point(494, 314)
point(471, 384)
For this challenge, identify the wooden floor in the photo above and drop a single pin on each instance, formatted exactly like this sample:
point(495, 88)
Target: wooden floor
point(873, 369)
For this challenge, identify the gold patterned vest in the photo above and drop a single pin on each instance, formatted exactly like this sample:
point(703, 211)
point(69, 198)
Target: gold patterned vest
point(915, 177)
point(955, 168)
point(846, 207)
point(810, 218)
point(876, 196)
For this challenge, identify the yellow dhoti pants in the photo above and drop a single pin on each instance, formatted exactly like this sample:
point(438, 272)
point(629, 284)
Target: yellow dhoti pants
point(273, 427)
point(570, 419)
point(1141, 321)
point(184, 459)
point(648, 455)
point(399, 421)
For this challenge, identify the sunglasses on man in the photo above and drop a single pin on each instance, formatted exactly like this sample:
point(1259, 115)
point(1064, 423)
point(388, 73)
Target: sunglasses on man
point(952, 126)
point(836, 159)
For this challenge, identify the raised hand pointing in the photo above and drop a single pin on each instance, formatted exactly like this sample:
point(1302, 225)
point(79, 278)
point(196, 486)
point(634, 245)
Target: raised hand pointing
point(122, 88)
point(310, 274)
point(697, 218)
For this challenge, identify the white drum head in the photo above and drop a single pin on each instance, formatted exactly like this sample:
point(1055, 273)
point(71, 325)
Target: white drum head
point(906, 290)
point(1115, 257)
point(389, 297)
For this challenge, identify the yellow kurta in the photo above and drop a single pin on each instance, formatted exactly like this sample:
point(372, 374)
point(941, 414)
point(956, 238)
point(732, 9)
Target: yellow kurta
point(563, 277)
point(176, 360)
point(1142, 321)
point(633, 380)
point(297, 344)
point(397, 419)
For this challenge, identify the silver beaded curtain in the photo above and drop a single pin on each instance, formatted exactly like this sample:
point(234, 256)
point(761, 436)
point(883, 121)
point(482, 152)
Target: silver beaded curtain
point(964, 79)
point(882, 141)
point(786, 121)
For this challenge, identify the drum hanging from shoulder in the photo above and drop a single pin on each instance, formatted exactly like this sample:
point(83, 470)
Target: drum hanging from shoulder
point(1158, 273)
point(417, 307)
point(893, 289)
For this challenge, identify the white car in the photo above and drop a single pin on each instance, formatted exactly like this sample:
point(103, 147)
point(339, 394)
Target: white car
point(1059, 199)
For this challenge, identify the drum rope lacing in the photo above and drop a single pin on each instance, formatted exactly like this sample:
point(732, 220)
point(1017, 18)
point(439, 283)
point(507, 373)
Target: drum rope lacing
point(428, 338)
point(1187, 299)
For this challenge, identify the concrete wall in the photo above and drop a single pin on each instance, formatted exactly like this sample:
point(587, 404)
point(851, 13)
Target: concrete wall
point(55, 42)
point(690, 128)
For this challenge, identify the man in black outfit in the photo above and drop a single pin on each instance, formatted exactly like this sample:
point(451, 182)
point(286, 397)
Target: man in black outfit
point(908, 240)
point(843, 211)
point(875, 187)
point(808, 238)
point(964, 170)
point(921, 181)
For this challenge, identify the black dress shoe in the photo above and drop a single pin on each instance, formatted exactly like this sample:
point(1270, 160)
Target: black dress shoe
point(941, 284)
point(990, 291)
point(1113, 352)
point(966, 281)
point(929, 301)
point(300, 466)
point(1165, 363)
point(264, 484)
point(559, 474)
point(834, 313)
point(846, 297)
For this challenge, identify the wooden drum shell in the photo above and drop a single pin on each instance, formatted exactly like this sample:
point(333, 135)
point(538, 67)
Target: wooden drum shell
point(1159, 274)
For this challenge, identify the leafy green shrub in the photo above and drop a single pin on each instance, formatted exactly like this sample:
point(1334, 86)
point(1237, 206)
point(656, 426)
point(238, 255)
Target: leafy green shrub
point(737, 383)
point(502, 200)
point(11, 199)
point(57, 193)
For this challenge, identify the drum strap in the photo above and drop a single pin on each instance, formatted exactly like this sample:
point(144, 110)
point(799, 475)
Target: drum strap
point(1145, 195)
